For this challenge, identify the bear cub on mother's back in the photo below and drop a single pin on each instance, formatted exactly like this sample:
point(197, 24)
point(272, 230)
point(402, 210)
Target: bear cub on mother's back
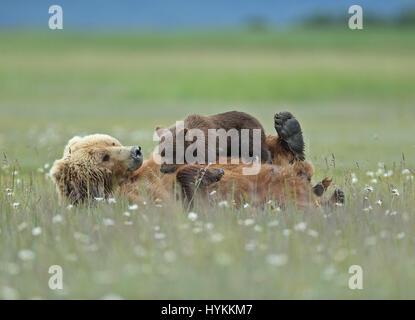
point(230, 122)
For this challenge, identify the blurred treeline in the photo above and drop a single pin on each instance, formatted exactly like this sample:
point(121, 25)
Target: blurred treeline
point(404, 19)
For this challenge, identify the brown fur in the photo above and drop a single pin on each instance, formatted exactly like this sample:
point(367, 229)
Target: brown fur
point(227, 121)
point(81, 174)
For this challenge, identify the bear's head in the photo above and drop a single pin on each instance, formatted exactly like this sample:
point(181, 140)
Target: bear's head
point(92, 166)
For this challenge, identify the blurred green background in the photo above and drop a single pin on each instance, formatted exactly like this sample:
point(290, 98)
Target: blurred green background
point(351, 90)
point(123, 69)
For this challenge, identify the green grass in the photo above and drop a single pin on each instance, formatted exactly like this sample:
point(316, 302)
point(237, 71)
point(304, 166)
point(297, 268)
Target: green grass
point(352, 92)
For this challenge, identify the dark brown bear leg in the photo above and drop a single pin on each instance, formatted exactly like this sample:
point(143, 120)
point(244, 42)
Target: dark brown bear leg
point(321, 187)
point(193, 179)
point(337, 197)
point(289, 131)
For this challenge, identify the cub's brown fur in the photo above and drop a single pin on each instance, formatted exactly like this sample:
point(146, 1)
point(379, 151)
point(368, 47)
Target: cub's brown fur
point(228, 120)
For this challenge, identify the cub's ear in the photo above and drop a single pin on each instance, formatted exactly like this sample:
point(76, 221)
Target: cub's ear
point(159, 130)
point(184, 130)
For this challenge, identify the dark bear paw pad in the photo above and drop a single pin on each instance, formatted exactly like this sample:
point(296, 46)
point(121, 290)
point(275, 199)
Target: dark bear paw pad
point(289, 130)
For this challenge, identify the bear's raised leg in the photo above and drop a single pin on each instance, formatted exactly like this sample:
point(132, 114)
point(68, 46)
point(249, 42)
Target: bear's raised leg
point(289, 131)
point(193, 179)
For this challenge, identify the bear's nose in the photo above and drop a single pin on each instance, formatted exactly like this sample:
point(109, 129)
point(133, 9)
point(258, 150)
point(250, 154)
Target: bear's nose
point(136, 152)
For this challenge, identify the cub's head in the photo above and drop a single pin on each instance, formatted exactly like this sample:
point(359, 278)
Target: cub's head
point(92, 166)
point(173, 153)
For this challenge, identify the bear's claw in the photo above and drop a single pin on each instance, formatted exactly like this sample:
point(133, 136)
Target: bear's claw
point(338, 196)
point(289, 131)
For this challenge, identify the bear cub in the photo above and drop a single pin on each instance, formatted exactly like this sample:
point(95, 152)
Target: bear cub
point(234, 121)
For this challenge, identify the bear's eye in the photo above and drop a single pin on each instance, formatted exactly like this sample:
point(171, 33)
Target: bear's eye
point(106, 158)
point(113, 144)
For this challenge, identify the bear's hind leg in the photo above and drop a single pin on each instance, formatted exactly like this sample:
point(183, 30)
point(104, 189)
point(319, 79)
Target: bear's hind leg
point(195, 178)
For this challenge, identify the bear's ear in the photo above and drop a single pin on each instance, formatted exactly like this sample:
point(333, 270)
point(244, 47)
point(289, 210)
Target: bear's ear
point(159, 130)
point(57, 174)
point(71, 183)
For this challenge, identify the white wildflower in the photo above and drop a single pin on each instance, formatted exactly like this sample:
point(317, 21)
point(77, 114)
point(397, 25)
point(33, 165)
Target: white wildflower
point(380, 172)
point(388, 174)
point(249, 222)
point(159, 236)
point(339, 204)
point(26, 254)
point(22, 226)
point(354, 178)
point(69, 207)
point(395, 192)
point(192, 216)
point(99, 199)
point(197, 230)
point(369, 208)
point(46, 166)
point(112, 296)
point(246, 205)
point(127, 214)
point(133, 207)
point(286, 232)
point(112, 200)
point(406, 171)
point(273, 223)
point(312, 233)
point(212, 193)
point(223, 203)
point(374, 181)
point(16, 205)
point(370, 173)
point(15, 173)
point(209, 226)
point(36, 231)
point(379, 202)
point(277, 259)
point(400, 235)
point(108, 222)
point(300, 226)
point(8, 293)
point(216, 237)
point(258, 228)
point(410, 178)
point(369, 188)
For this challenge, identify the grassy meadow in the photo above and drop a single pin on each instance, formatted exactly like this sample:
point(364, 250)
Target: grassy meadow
point(352, 91)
